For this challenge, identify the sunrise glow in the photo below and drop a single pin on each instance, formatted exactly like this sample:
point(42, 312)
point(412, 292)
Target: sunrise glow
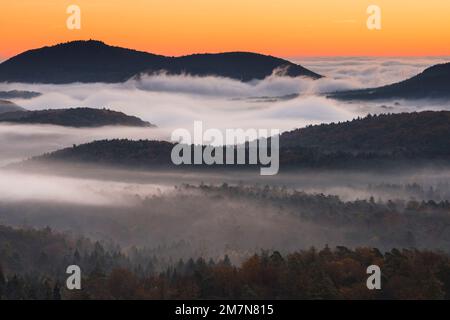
point(282, 27)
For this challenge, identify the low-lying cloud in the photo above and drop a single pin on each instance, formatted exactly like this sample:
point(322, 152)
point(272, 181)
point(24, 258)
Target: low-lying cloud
point(364, 72)
point(176, 101)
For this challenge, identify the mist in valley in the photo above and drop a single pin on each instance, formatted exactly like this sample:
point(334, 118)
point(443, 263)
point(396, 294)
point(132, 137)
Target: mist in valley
point(157, 211)
point(153, 209)
point(172, 101)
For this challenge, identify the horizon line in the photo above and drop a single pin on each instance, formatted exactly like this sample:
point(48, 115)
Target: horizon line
point(290, 56)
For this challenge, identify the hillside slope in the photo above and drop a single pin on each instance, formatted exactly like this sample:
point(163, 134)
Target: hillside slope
point(74, 117)
point(433, 83)
point(94, 61)
point(400, 138)
point(8, 106)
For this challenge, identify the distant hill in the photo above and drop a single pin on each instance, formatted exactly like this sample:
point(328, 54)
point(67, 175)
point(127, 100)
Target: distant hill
point(391, 137)
point(14, 94)
point(94, 61)
point(75, 117)
point(405, 137)
point(433, 83)
point(8, 106)
point(426, 132)
point(117, 152)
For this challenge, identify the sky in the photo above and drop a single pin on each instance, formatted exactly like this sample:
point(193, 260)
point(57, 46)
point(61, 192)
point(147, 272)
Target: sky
point(287, 28)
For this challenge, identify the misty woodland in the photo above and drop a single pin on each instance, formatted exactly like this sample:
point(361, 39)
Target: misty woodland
point(87, 178)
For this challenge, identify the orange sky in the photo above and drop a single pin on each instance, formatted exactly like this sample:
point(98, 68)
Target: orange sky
point(278, 27)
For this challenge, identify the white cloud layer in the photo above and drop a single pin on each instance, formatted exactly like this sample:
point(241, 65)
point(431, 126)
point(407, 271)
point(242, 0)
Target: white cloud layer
point(173, 102)
point(365, 72)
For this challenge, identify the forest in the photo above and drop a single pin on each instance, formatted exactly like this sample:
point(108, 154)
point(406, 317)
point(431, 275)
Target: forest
point(108, 273)
point(255, 264)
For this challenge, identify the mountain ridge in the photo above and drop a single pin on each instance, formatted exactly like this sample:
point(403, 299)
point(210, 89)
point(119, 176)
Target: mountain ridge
point(74, 117)
point(8, 106)
point(94, 61)
point(432, 83)
point(402, 138)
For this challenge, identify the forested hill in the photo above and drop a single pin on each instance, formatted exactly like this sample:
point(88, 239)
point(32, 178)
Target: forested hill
point(94, 61)
point(390, 137)
point(420, 133)
point(74, 117)
point(8, 106)
point(14, 94)
point(127, 153)
point(433, 83)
